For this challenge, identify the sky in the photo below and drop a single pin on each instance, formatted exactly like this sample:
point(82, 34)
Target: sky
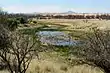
point(52, 6)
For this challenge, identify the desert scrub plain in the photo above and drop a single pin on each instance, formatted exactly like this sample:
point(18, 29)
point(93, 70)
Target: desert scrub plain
point(79, 23)
point(76, 27)
point(57, 61)
point(54, 62)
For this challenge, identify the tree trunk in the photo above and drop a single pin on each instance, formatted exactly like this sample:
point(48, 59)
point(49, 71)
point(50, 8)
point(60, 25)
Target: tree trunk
point(104, 65)
point(106, 70)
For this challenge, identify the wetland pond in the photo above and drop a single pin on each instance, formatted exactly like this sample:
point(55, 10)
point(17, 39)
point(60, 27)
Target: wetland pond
point(58, 38)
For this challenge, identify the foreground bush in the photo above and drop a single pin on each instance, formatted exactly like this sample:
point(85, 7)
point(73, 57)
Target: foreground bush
point(97, 49)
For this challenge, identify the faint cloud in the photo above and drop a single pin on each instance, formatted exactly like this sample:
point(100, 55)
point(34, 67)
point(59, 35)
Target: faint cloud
point(51, 9)
point(90, 10)
point(31, 9)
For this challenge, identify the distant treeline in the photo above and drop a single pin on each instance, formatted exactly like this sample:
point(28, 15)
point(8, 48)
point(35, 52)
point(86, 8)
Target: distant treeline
point(57, 16)
point(11, 21)
point(77, 16)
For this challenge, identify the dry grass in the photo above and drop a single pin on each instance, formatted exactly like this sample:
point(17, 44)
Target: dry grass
point(4, 71)
point(49, 65)
point(79, 23)
point(54, 67)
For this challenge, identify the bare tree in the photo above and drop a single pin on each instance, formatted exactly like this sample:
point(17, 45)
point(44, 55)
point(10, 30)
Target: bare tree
point(97, 49)
point(20, 51)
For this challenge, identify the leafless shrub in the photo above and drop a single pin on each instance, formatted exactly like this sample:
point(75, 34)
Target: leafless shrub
point(20, 51)
point(97, 49)
point(4, 36)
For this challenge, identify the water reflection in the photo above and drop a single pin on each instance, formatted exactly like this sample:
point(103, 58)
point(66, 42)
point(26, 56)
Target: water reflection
point(56, 38)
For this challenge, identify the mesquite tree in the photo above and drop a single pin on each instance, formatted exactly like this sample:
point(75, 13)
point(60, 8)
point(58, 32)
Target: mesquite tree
point(20, 50)
point(97, 48)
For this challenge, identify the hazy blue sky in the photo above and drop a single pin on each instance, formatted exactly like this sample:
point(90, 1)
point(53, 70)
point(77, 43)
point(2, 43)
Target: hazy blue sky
point(29, 6)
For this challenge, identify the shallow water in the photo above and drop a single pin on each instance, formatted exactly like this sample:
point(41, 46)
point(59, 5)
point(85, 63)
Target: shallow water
point(56, 38)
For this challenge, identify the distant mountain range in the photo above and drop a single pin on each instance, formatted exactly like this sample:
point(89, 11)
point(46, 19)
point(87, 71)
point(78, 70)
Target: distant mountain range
point(64, 13)
point(69, 12)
